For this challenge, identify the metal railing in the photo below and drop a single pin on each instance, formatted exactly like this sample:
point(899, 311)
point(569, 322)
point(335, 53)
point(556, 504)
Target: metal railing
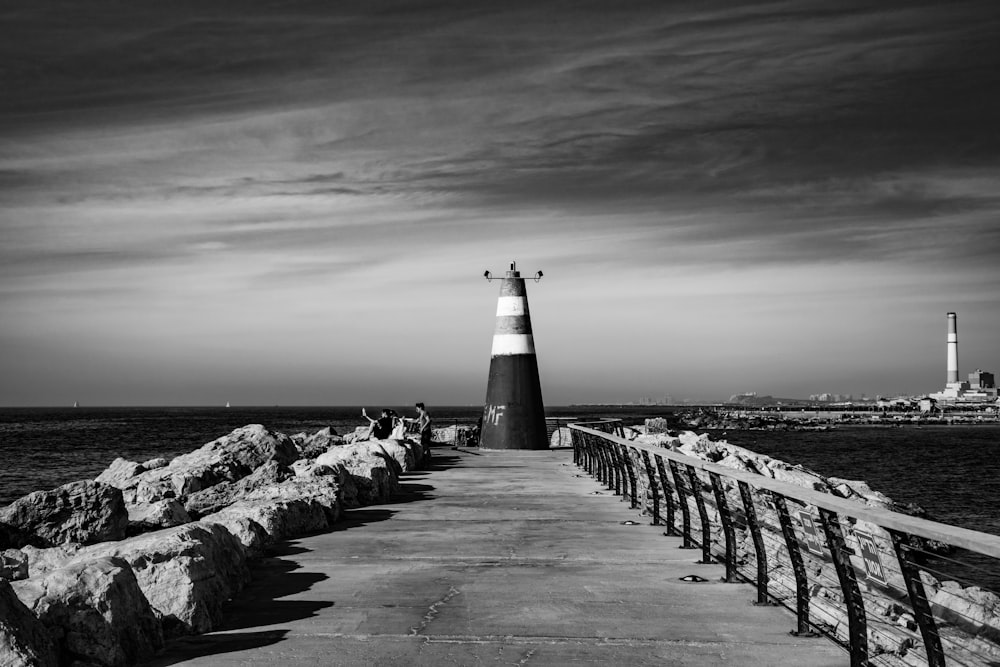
point(874, 581)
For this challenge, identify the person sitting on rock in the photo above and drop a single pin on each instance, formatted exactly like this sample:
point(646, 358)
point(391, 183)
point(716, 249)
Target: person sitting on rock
point(380, 428)
point(398, 428)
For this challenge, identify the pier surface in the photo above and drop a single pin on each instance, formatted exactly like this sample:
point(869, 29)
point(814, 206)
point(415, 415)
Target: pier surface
point(496, 558)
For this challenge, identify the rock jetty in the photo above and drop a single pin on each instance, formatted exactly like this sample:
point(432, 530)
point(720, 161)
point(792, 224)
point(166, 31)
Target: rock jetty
point(101, 572)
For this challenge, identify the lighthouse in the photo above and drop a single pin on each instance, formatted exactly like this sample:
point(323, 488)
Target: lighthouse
point(514, 415)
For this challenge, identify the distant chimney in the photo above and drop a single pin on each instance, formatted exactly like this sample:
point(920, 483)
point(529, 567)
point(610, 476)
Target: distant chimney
point(952, 348)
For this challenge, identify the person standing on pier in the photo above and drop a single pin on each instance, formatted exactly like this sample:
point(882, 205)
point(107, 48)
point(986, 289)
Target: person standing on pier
point(423, 421)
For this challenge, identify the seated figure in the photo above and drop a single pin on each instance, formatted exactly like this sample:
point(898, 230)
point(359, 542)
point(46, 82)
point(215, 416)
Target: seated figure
point(381, 428)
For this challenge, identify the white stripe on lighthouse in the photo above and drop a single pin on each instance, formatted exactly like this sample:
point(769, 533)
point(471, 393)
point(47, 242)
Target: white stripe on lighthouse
point(508, 306)
point(508, 344)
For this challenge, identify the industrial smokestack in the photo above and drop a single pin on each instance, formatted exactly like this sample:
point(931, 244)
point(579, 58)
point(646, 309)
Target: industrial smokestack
point(952, 348)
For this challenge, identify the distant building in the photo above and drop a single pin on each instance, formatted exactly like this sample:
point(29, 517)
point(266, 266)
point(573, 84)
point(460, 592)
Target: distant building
point(831, 398)
point(981, 380)
point(981, 386)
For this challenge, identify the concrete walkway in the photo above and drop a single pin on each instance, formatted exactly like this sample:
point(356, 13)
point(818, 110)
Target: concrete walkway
point(505, 558)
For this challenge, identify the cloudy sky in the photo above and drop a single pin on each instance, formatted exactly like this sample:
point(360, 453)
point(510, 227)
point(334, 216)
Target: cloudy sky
point(294, 202)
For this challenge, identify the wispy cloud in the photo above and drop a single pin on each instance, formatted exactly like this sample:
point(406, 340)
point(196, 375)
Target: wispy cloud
point(167, 169)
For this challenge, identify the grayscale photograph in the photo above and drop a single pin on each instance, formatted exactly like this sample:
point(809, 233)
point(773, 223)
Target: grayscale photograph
point(272, 394)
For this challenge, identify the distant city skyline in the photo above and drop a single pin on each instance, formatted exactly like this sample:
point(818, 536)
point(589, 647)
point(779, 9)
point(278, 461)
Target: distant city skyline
point(294, 203)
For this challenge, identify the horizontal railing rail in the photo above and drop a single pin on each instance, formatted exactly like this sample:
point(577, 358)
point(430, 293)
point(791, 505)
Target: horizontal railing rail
point(871, 579)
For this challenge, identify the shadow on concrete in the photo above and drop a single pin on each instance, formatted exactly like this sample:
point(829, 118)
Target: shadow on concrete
point(410, 492)
point(355, 518)
point(441, 460)
point(274, 578)
point(188, 648)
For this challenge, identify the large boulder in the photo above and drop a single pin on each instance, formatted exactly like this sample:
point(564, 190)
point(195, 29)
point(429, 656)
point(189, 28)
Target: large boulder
point(347, 491)
point(166, 513)
point(186, 572)
point(280, 519)
point(214, 498)
point(24, 640)
point(561, 437)
point(371, 468)
point(45, 560)
point(13, 565)
point(95, 612)
point(225, 459)
point(657, 425)
point(83, 511)
point(247, 531)
point(288, 506)
point(313, 445)
point(359, 434)
point(119, 472)
point(401, 452)
point(323, 490)
point(153, 464)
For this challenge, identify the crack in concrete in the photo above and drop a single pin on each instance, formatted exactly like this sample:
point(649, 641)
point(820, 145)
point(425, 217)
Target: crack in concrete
point(432, 611)
point(527, 656)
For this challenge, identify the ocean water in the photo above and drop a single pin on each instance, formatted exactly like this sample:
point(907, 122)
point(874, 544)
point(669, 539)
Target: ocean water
point(953, 472)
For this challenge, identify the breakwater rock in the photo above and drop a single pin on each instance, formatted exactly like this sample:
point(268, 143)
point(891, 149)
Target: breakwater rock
point(722, 420)
point(100, 572)
point(82, 511)
point(24, 639)
point(95, 612)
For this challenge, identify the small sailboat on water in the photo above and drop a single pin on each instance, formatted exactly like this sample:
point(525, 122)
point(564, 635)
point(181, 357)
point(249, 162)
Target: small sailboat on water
point(227, 404)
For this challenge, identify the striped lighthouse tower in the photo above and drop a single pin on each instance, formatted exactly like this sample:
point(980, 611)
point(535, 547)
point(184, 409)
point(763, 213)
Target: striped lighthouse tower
point(514, 416)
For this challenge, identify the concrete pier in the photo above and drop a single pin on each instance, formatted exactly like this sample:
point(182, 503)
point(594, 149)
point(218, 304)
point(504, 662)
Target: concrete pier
point(507, 558)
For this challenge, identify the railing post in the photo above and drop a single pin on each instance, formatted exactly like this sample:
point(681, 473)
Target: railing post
point(918, 600)
point(758, 543)
point(668, 497)
point(675, 470)
point(616, 465)
point(727, 526)
point(798, 568)
point(597, 449)
point(603, 467)
point(651, 478)
point(856, 620)
point(630, 470)
point(706, 529)
point(593, 465)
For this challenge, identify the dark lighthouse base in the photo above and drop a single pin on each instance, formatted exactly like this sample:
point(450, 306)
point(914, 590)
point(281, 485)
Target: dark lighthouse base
point(514, 415)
